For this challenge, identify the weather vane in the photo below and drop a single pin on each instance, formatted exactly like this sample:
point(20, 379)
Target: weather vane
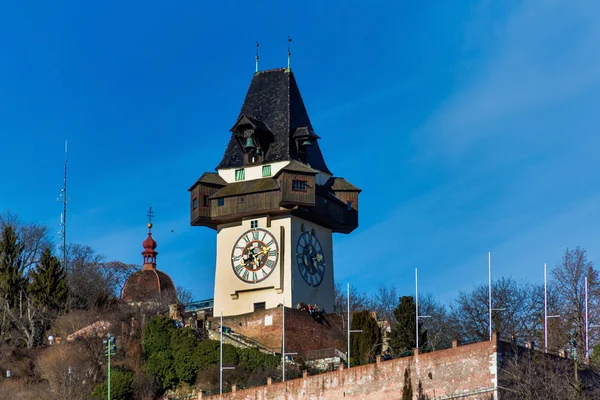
point(150, 215)
point(257, 44)
point(289, 52)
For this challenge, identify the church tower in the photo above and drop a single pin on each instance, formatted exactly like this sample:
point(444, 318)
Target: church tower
point(274, 204)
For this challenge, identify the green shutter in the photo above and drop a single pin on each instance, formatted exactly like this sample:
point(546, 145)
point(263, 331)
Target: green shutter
point(266, 170)
point(239, 175)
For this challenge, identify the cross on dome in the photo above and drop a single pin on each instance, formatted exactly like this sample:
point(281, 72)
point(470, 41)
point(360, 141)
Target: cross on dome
point(149, 245)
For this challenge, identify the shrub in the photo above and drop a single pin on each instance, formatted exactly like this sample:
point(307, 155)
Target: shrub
point(120, 386)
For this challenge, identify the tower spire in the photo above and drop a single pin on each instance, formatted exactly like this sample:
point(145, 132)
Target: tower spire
point(257, 44)
point(289, 68)
point(149, 245)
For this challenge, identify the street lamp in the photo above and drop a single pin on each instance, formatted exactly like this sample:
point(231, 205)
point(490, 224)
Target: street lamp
point(110, 349)
point(350, 331)
point(221, 367)
point(546, 316)
point(417, 307)
point(283, 353)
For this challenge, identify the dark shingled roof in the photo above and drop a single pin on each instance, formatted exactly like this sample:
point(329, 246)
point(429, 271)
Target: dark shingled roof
point(295, 166)
point(340, 184)
point(212, 178)
point(247, 187)
point(274, 100)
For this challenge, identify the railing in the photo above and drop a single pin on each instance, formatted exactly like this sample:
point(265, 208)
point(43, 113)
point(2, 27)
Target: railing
point(244, 340)
point(324, 353)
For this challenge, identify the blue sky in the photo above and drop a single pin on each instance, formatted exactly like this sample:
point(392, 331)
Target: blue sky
point(470, 126)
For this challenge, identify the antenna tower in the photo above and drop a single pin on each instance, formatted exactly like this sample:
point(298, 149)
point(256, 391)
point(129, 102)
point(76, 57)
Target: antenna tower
point(63, 216)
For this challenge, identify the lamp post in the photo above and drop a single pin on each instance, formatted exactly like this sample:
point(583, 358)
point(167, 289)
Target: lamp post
point(350, 331)
point(221, 367)
point(110, 348)
point(546, 316)
point(587, 326)
point(417, 307)
point(490, 296)
point(283, 353)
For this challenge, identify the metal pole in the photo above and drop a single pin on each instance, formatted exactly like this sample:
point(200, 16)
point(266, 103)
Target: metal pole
point(109, 351)
point(417, 306)
point(221, 357)
point(545, 312)
point(490, 292)
point(283, 341)
point(64, 236)
point(586, 319)
point(348, 304)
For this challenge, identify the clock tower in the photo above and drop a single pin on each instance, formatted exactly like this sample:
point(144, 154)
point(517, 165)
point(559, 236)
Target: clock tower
point(274, 204)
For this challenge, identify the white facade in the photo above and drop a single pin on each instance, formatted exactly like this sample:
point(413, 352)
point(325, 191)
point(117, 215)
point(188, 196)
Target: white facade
point(256, 172)
point(252, 172)
point(234, 296)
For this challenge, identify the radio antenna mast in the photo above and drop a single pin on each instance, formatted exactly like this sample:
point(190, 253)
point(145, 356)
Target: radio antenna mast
point(63, 216)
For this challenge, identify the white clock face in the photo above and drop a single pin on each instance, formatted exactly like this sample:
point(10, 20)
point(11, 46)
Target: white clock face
point(310, 259)
point(254, 255)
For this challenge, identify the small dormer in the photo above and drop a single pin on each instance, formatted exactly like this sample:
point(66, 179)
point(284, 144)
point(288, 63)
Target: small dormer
point(253, 137)
point(304, 137)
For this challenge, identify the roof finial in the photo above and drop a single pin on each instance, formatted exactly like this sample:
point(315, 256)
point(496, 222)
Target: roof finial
point(289, 54)
point(257, 44)
point(150, 215)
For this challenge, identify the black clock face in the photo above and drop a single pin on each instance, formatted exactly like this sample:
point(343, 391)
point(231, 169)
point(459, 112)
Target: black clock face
point(254, 255)
point(310, 259)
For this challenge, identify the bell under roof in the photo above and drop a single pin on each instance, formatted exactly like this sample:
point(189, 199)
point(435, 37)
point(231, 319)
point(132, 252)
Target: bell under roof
point(273, 100)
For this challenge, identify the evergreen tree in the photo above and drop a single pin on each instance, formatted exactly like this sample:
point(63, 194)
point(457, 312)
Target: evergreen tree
point(49, 282)
point(402, 336)
point(363, 346)
point(12, 268)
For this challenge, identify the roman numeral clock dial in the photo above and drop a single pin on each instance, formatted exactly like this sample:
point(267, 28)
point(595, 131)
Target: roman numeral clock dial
point(254, 255)
point(310, 259)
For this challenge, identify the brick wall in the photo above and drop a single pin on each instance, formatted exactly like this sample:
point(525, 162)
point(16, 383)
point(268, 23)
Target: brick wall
point(302, 332)
point(466, 372)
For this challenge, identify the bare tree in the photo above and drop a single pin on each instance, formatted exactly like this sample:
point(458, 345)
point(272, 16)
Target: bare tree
point(568, 285)
point(384, 301)
point(184, 295)
point(533, 375)
point(34, 237)
point(519, 313)
point(93, 282)
point(440, 330)
point(69, 370)
point(358, 301)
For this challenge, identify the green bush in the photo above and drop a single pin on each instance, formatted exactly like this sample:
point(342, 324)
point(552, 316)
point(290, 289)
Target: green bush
point(207, 354)
point(254, 360)
point(120, 386)
point(175, 356)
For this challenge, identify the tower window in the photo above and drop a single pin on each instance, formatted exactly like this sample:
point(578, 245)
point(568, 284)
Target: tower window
point(349, 205)
point(259, 306)
point(266, 170)
point(298, 185)
point(240, 174)
point(241, 200)
point(195, 203)
point(205, 201)
point(221, 202)
point(254, 224)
